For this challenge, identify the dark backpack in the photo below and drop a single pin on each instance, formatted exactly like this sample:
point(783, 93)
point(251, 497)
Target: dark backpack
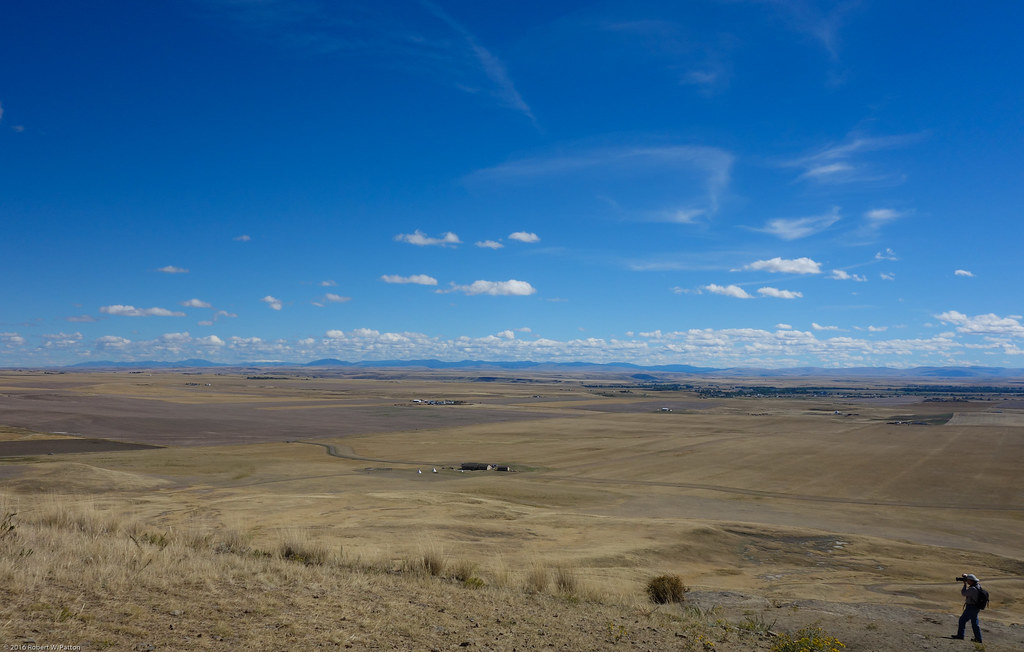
point(982, 598)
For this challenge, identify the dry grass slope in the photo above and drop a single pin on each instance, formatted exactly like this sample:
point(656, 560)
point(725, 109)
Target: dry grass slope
point(77, 574)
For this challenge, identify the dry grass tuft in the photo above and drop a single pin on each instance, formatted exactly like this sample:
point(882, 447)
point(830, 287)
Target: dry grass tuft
point(432, 561)
point(537, 578)
point(297, 546)
point(567, 580)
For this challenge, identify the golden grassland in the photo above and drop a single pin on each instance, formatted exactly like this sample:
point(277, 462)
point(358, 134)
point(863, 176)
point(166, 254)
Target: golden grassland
point(777, 513)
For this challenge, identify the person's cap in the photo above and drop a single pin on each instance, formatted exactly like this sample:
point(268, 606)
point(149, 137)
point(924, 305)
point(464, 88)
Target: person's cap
point(972, 577)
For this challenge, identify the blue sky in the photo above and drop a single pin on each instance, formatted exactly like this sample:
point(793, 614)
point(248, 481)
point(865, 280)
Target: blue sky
point(719, 183)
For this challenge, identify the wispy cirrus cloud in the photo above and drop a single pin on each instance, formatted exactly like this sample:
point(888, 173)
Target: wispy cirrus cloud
point(883, 215)
point(802, 265)
point(131, 311)
point(421, 38)
point(800, 227)
point(493, 68)
point(415, 279)
point(661, 167)
point(420, 239)
point(813, 20)
point(846, 162)
point(964, 272)
point(171, 269)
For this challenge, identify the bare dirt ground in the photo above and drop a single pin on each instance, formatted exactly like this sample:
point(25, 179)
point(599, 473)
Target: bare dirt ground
point(787, 510)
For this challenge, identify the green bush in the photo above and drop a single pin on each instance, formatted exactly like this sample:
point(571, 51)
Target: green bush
point(664, 589)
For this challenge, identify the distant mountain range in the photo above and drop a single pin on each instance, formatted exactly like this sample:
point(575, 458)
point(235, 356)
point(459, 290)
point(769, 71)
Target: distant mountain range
point(952, 373)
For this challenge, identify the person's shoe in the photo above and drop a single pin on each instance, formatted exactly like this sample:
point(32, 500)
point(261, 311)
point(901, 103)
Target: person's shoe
point(975, 640)
point(959, 638)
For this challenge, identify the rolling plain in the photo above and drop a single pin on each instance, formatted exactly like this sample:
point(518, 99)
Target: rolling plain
point(268, 509)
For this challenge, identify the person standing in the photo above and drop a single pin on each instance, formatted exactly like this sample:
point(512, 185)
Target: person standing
point(971, 591)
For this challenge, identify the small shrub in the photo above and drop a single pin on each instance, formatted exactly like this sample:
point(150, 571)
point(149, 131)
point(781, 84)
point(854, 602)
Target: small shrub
point(808, 639)
point(756, 624)
point(474, 583)
point(664, 589)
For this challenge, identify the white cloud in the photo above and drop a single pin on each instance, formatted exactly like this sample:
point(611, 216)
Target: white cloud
point(887, 276)
point(841, 275)
point(877, 329)
point(327, 284)
point(989, 324)
point(489, 244)
point(963, 272)
point(330, 297)
point(787, 266)
point(115, 342)
point(728, 290)
point(272, 302)
point(732, 347)
point(420, 239)
point(883, 214)
point(780, 294)
point(132, 311)
point(242, 238)
point(171, 269)
point(888, 254)
point(12, 339)
point(195, 303)
point(416, 279)
point(524, 236)
point(511, 287)
point(800, 227)
point(61, 340)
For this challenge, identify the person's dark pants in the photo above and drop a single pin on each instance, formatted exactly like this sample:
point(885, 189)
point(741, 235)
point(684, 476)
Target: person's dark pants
point(970, 614)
